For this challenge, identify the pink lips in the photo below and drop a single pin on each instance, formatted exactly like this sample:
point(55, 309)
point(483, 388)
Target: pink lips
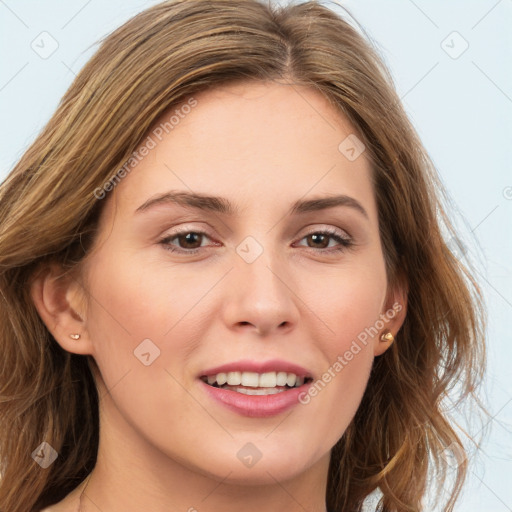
point(257, 406)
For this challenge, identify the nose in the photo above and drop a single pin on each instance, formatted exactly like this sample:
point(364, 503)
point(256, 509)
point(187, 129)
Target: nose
point(260, 296)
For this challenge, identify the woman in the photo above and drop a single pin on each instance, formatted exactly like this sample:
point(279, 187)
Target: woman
point(224, 279)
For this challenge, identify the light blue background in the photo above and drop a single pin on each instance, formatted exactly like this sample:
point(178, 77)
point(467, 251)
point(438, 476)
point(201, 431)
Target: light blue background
point(462, 109)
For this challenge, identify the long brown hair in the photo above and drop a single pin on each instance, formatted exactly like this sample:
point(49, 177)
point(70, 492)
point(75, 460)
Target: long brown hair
point(49, 213)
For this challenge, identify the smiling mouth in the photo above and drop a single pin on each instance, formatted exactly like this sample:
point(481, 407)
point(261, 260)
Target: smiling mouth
point(252, 383)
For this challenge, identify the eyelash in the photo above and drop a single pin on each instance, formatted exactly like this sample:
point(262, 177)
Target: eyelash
point(345, 242)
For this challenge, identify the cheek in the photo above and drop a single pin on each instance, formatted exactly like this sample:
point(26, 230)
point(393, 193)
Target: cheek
point(143, 312)
point(129, 316)
point(351, 309)
point(352, 306)
point(136, 300)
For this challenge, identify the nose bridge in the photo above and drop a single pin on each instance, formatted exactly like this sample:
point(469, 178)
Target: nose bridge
point(261, 294)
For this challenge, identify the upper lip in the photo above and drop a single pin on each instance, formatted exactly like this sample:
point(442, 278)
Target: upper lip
point(246, 365)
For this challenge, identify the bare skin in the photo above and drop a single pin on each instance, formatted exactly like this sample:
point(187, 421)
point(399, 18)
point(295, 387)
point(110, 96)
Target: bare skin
point(164, 443)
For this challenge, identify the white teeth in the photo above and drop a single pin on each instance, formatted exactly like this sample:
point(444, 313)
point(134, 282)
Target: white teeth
point(250, 379)
point(256, 380)
point(281, 378)
point(234, 378)
point(245, 391)
point(268, 380)
point(291, 379)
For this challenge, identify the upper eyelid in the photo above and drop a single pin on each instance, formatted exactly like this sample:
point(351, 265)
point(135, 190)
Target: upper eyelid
point(330, 230)
point(206, 231)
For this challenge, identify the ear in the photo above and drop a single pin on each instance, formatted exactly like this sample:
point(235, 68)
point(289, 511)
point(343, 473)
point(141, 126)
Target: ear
point(60, 301)
point(392, 317)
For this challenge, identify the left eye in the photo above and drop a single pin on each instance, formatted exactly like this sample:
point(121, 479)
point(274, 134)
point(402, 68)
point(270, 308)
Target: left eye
point(192, 241)
point(187, 237)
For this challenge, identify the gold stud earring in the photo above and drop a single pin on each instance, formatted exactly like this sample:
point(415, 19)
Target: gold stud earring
point(74, 336)
point(387, 336)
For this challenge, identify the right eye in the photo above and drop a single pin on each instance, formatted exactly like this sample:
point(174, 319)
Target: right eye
point(185, 237)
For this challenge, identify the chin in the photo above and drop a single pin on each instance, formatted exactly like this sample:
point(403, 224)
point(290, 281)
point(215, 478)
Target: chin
point(257, 463)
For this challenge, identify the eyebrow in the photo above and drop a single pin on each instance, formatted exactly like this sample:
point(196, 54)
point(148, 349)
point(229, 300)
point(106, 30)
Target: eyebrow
point(224, 206)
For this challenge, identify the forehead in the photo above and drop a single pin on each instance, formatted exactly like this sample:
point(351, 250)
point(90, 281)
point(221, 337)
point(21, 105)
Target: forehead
point(252, 142)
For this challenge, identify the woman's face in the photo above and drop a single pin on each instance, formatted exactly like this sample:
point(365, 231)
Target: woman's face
point(178, 289)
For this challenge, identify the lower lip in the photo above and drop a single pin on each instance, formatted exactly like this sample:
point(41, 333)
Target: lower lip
point(256, 406)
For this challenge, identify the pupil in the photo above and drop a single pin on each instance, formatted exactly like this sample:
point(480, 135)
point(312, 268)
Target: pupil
point(188, 237)
point(315, 238)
